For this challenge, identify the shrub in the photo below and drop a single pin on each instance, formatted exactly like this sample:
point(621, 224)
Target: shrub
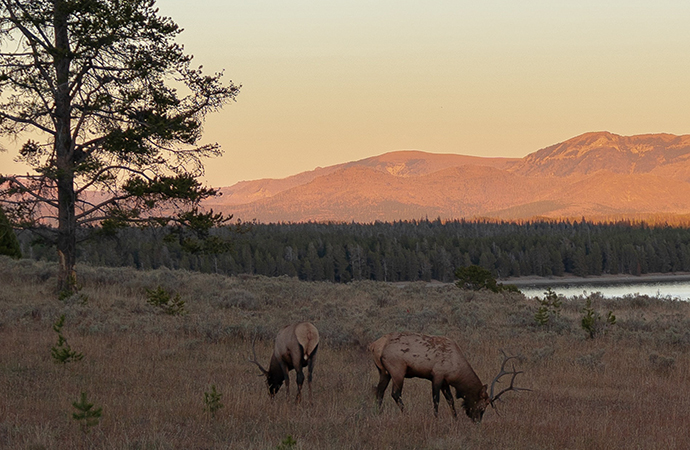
point(477, 278)
point(543, 354)
point(466, 315)
point(593, 323)
point(212, 401)
point(661, 364)
point(676, 336)
point(239, 298)
point(162, 299)
point(286, 444)
point(592, 361)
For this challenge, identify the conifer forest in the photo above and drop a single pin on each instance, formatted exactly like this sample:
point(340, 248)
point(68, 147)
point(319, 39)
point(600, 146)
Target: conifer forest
point(401, 251)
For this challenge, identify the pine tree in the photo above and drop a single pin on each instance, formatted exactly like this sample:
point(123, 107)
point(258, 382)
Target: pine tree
point(94, 80)
point(9, 245)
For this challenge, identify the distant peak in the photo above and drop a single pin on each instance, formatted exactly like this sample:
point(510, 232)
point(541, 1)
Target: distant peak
point(603, 150)
point(593, 136)
point(599, 133)
point(634, 137)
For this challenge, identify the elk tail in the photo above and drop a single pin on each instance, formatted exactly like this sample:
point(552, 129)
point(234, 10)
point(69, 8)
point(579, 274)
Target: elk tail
point(308, 338)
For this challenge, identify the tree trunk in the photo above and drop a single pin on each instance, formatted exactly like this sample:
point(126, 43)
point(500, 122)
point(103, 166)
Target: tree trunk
point(66, 239)
point(67, 225)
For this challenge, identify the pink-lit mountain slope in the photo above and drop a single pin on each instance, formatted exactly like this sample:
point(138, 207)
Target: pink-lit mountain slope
point(592, 152)
point(592, 175)
point(405, 163)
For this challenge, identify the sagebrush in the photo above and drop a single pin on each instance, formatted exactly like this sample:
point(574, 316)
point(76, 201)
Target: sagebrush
point(148, 370)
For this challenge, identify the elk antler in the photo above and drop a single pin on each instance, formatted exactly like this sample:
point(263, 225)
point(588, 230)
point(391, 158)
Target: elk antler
point(263, 371)
point(502, 373)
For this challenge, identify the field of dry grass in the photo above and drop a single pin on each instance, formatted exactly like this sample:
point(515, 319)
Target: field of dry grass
point(148, 370)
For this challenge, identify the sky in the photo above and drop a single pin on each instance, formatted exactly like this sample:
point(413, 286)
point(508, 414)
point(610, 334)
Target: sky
point(326, 82)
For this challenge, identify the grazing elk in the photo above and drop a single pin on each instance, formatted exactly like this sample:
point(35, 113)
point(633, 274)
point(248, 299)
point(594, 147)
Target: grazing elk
point(295, 347)
point(439, 359)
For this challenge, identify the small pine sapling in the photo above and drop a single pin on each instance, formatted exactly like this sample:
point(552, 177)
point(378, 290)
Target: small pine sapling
point(610, 318)
point(589, 319)
point(592, 322)
point(86, 415)
point(161, 298)
point(286, 444)
point(73, 294)
point(549, 307)
point(61, 352)
point(542, 315)
point(212, 401)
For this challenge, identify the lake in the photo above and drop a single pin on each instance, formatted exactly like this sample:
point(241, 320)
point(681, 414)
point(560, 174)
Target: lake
point(673, 286)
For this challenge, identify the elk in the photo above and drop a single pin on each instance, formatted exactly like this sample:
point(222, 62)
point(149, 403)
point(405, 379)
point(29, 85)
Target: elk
point(295, 347)
point(439, 359)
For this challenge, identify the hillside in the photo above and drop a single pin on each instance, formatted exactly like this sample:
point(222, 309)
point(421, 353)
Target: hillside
point(592, 152)
point(364, 195)
point(593, 175)
point(407, 163)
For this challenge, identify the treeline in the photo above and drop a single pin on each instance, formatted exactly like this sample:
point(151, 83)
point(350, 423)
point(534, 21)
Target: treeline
point(405, 251)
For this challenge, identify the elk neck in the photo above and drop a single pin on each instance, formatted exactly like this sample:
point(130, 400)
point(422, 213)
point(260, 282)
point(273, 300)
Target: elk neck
point(275, 373)
point(468, 386)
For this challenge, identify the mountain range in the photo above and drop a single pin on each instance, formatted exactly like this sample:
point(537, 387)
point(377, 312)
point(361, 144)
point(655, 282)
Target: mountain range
point(600, 176)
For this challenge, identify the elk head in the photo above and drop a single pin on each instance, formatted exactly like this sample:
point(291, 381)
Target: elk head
point(274, 380)
point(474, 408)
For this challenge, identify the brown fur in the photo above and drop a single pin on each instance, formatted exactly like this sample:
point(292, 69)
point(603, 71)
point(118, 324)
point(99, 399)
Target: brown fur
point(307, 336)
point(411, 355)
point(295, 348)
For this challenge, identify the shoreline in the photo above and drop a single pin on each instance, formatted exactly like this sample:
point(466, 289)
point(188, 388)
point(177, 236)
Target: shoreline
point(597, 280)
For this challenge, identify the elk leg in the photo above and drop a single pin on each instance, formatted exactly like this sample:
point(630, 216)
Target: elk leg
point(310, 366)
point(300, 381)
point(397, 392)
point(449, 398)
point(384, 379)
point(286, 377)
point(435, 391)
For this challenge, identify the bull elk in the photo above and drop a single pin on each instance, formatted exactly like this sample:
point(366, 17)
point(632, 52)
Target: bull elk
point(295, 348)
point(439, 359)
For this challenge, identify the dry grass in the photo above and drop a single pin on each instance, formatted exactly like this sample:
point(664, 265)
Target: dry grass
point(149, 371)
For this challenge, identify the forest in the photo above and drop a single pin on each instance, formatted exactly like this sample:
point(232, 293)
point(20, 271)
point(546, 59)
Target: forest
point(401, 251)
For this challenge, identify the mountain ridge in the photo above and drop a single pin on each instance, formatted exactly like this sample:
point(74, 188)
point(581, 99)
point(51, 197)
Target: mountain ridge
point(594, 151)
point(401, 163)
point(597, 173)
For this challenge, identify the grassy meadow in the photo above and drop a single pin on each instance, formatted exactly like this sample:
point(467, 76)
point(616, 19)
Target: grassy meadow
point(149, 370)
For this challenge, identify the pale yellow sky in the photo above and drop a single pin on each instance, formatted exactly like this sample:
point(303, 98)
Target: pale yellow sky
point(325, 82)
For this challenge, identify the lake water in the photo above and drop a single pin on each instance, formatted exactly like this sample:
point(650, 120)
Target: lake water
point(665, 289)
